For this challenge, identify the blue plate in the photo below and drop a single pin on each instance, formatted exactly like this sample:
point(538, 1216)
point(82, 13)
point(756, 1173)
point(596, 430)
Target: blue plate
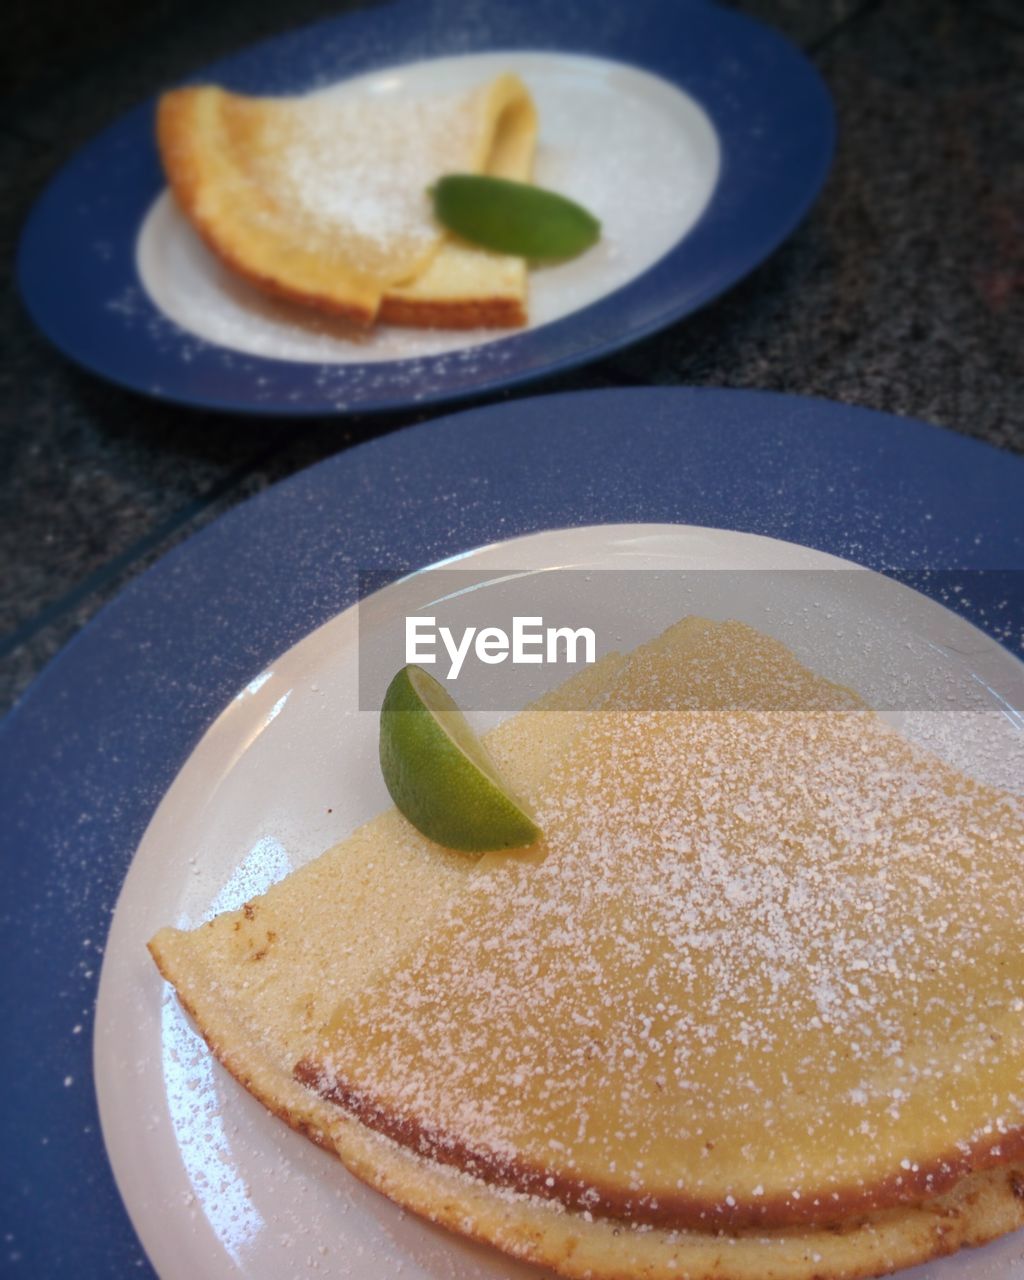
point(88, 754)
point(775, 130)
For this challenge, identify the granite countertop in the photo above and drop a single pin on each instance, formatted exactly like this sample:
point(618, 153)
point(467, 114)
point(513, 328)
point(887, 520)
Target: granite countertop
point(903, 290)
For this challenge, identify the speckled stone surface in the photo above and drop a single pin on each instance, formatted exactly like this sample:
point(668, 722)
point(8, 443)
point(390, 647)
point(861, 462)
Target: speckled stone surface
point(903, 290)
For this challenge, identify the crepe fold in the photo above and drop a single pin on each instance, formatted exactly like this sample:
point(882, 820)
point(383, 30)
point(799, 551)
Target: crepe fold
point(324, 199)
point(752, 1009)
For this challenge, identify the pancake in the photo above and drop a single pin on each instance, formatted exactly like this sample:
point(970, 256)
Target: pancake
point(773, 845)
point(324, 201)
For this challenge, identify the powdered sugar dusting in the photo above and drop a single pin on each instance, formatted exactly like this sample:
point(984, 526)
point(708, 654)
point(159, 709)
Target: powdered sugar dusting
point(359, 169)
point(768, 954)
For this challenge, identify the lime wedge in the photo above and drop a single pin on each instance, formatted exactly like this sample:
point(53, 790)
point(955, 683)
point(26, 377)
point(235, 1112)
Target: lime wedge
point(439, 773)
point(513, 217)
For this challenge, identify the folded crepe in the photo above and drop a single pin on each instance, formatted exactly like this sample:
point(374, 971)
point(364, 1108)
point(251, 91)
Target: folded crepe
point(753, 1008)
point(324, 200)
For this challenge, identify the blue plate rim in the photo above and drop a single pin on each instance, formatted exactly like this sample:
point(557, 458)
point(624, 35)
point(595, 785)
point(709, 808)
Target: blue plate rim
point(104, 344)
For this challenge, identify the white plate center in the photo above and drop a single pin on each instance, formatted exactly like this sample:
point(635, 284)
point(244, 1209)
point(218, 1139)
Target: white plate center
point(637, 151)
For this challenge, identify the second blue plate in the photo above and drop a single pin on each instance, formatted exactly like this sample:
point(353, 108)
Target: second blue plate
point(627, 95)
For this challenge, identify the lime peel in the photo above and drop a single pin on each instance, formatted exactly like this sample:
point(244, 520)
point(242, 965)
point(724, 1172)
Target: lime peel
point(439, 773)
point(513, 217)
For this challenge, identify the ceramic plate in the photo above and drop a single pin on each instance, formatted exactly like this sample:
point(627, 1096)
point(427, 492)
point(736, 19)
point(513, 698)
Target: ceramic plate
point(217, 1186)
point(95, 746)
point(698, 137)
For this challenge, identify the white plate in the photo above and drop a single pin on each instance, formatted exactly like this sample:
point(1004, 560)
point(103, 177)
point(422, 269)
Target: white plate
point(217, 1187)
point(665, 164)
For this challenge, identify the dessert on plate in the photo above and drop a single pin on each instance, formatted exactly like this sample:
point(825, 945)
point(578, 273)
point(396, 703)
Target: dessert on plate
point(324, 200)
point(752, 1007)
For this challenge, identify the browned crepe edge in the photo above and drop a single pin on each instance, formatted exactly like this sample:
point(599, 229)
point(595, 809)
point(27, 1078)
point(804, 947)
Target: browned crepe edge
point(980, 1208)
point(666, 1209)
point(480, 313)
point(175, 143)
